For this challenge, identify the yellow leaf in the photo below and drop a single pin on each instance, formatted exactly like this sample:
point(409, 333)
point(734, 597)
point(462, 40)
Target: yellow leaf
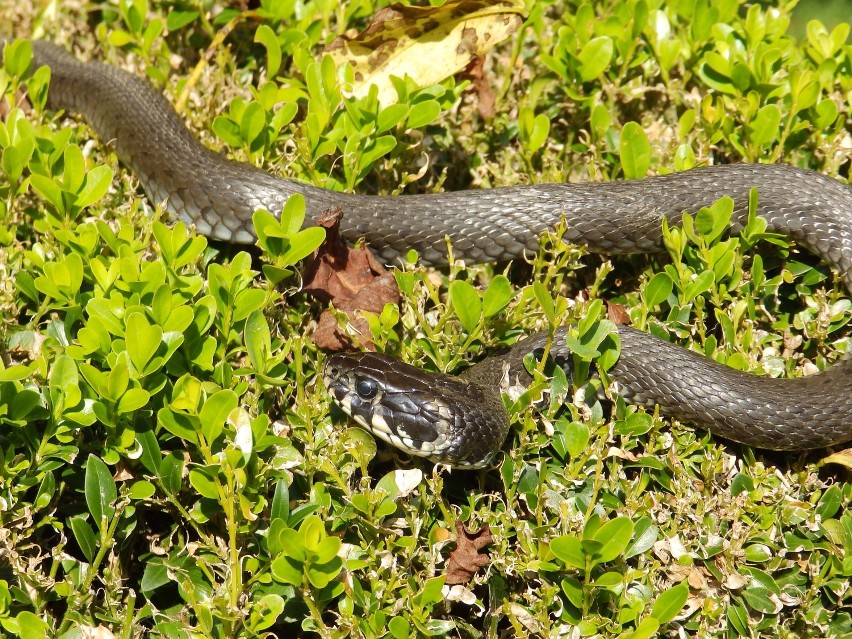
point(842, 457)
point(427, 44)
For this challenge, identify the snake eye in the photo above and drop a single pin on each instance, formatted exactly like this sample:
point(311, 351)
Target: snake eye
point(366, 388)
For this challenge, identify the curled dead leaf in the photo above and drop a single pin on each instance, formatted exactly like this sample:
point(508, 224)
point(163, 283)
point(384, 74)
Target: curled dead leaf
point(475, 72)
point(466, 560)
point(350, 278)
point(617, 314)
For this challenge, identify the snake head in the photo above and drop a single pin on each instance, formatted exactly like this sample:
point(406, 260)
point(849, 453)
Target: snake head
point(432, 415)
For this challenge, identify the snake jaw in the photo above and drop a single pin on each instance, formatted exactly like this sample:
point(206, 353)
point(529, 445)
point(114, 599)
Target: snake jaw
point(424, 414)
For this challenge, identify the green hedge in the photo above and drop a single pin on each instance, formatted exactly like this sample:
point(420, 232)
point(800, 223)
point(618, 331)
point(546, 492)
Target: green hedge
point(170, 462)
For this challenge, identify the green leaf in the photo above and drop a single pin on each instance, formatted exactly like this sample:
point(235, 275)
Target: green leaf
point(154, 576)
point(762, 592)
point(601, 119)
point(100, 492)
point(293, 215)
point(280, 502)
point(265, 36)
point(17, 57)
point(202, 482)
point(16, 372)
point(178, 19)
point(576, 438)
point(431, 593)
point(712, 221)
point(610, 580)
point(573, 589)
point(228, 131)
point(613, 536)
point(303, 244)
point(766, 125)
point(539, 132)
point(246, 302)
point(142, 490)
point(570, 550)
point(178, 248)
point(283, 539)
point(390, 117)
point(265, 611)
point(758, 553)
point(423, 113)
point(545, 301)
point(497, 296)
point(399, 628)
point(253, 122)
point(646, 629)
point(595, 58)
point(177, 424)
point(133, 399)
point(118, 379)
point(171, 473)
point(85, 536)
point(699, 285)
point(670, 603)
point(657, 290)
point(645, 535)
point(635, 424)
point(320, 575)
point(141, 340)
point(74, 171)
point(15, 158)
point(827, 113)
point(635, 150)
point(214, 413)
point(49, 190)
point(312, 531)
point(287, 570)
point(830, 502)
point(466, 304)
point(375, 150)
point(96, 183)
point(258, 340)
point(31, 626)
point(327, 549)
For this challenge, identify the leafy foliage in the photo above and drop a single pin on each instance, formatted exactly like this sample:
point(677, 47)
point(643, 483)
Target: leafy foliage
point(170, 466)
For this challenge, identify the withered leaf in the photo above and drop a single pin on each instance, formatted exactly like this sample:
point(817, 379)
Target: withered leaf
point(617, 314)
point(484, 92)
point(466, 560)
point(350, 278)
point(428, 44)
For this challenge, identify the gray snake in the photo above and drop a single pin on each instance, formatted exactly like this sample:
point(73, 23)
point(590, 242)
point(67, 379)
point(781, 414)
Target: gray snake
point(467, 424)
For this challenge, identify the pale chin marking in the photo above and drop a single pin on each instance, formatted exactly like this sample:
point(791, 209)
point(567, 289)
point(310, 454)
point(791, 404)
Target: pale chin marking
point(379, 424)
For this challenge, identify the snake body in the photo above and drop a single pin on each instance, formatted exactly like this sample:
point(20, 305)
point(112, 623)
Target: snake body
point(461, 421)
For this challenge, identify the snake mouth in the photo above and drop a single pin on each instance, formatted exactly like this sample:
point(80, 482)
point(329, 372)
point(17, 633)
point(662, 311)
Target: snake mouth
point(366, 408)
point(395, 408)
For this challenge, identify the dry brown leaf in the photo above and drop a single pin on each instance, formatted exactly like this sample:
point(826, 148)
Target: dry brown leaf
point(350, 278)
point(616, 314)
point(466, 560)
point(427, 44)
point(475, 72)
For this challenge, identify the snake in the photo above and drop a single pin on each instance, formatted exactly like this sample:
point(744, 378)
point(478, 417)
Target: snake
point(461, 421)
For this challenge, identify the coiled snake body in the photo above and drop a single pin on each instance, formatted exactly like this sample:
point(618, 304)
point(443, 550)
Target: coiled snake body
point(461, 421)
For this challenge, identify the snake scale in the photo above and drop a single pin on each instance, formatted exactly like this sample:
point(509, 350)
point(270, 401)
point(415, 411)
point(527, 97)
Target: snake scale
point(461, 420)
